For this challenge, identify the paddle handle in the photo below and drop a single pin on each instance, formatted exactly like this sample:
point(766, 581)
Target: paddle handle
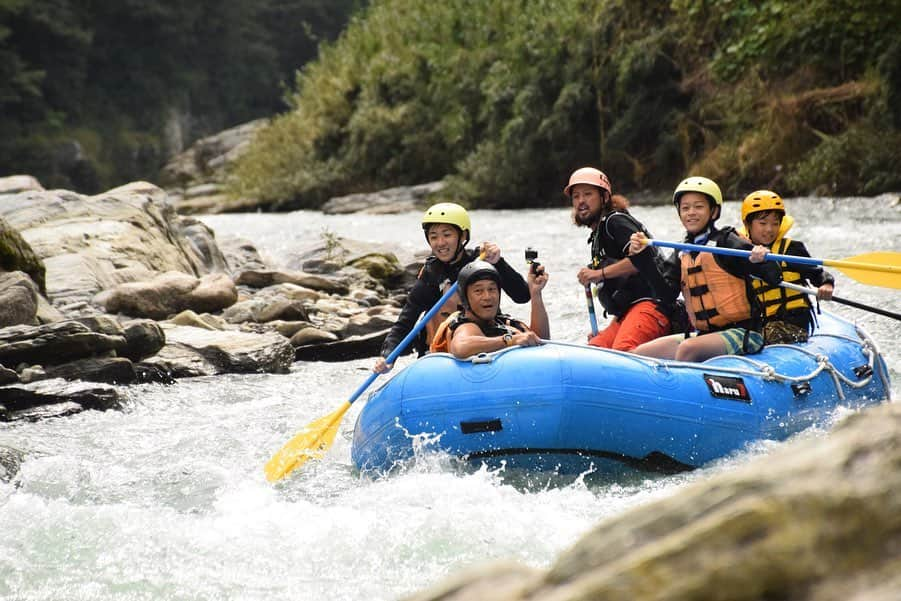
point(843, 301)
point(402, 345)
point(592, 316)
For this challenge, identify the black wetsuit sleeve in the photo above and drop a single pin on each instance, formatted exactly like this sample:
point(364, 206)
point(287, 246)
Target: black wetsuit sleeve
point(512, 283)
point(421, 298)
point(663, 276)
point(814, 274)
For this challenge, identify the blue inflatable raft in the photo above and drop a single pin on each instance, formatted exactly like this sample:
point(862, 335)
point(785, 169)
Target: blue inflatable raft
point(571, 408)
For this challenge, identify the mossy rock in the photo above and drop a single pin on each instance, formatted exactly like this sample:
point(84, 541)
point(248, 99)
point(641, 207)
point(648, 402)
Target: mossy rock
point(381, 266)
point(17, 255)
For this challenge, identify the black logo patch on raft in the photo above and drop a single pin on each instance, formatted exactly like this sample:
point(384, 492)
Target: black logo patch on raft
point(726, 387)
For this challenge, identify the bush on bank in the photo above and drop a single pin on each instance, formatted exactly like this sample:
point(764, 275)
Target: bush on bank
point(505, 98)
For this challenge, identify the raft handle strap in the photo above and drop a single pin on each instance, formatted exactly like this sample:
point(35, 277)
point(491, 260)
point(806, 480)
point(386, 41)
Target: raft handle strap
point(801, 388)
point(863, 371)
point(482, 358)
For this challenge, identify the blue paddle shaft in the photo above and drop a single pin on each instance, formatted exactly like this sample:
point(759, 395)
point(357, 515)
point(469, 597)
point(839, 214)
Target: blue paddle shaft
point(591, 314)
point(735, 252)
point(402, 345)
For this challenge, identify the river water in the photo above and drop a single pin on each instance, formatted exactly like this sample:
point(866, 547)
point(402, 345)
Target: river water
point(167, 499)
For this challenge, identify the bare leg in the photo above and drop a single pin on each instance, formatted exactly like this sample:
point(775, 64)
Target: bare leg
point(701, 348)
point(662, 348)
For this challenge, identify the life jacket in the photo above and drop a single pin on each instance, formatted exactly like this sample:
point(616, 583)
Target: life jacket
point(502, 324)
point(714, 298)
point(448, 309)
point(440, 275)
point(777, 300)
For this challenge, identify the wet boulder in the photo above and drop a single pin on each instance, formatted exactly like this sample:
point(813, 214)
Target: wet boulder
point(17, 255)
point(18, 299)
point(170, 293)
point(55, 398)
point(819, 519)
point(53, 344)
point(93, 243)
point(200, 351)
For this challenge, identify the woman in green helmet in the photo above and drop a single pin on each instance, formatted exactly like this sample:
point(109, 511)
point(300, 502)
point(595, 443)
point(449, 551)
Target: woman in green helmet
point(447, 230)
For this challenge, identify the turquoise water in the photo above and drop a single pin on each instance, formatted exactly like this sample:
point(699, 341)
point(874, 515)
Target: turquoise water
point(167, 499)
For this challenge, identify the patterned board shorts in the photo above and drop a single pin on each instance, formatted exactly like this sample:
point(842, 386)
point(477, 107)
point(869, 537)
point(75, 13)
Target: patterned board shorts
point(735, 337)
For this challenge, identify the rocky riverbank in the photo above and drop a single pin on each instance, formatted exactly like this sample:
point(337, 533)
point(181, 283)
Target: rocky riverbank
point(119, 288)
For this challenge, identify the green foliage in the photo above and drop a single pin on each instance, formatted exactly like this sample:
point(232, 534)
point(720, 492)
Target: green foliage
point(502, 99)
point(860, 160)
point(143, 76)
point(505, 97)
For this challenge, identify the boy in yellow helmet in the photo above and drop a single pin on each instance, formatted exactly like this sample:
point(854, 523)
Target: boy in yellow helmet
point(716, 288)
point(447, 229)
point(789, 314)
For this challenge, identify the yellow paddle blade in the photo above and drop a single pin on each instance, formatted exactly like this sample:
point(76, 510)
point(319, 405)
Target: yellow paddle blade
point(881, 268)
point(310, 443)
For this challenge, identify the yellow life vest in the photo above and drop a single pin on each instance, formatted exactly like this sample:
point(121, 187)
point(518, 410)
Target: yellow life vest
point(776, 300)
point(714, 298)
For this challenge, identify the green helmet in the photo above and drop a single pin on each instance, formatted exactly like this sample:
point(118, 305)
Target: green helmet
point(702, 185)
point(447, 212)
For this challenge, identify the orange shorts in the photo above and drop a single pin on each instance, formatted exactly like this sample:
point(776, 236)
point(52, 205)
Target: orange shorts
point(641, 323)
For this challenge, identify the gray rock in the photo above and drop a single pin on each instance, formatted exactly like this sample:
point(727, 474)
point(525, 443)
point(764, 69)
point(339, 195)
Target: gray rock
point(391, 200)
point(170, 293)
point(112, 370)
point(92, 243)
point(203, 241)
point(208, 158)
point(354, 347)
point(284, 310)
point(13, 184)
point(10, 460)
point(289, 328)
point(816, 520)
point(312, 336)
point(263, 279)
point(17, 255)
point(144, 338)
point(205, 321)
point(55, 343)
point(233, 352)
point(37, 400)
point(364, 323)
point(18, 299)
point(241, 255)
point(8, 376)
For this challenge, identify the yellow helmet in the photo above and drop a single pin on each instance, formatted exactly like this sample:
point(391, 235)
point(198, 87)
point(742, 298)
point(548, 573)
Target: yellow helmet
point(447, 212)
point(761, 200)
point(703, 185)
